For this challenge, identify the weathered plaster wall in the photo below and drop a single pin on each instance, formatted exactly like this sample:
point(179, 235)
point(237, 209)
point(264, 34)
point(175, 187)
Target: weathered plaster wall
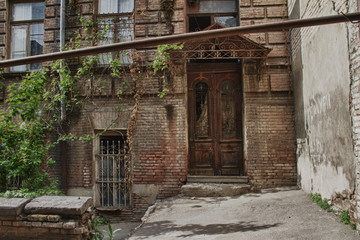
point(324, 140)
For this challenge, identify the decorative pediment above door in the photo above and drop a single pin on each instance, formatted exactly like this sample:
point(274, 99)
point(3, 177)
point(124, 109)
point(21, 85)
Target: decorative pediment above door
point(235, 47)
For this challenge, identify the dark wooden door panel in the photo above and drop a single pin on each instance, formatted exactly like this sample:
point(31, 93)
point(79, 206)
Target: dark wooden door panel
point(202, 159)
point(215, 124)
point(230, 154)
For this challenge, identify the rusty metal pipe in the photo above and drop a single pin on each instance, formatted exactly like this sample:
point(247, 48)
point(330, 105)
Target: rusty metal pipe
point(149, 42)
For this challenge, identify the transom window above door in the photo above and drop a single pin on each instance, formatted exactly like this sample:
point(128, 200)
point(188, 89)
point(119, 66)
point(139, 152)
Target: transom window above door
point(27, 31)
point(203, 13)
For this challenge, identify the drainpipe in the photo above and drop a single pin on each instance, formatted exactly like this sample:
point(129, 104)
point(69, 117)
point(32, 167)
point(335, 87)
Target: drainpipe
point(62, 106)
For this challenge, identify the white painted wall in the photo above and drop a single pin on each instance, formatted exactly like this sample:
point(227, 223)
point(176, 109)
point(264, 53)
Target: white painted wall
point(325, 156)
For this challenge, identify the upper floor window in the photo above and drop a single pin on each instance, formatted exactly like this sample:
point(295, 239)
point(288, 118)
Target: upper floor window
point(27, 31)
point(116, 6)
point(116, 21)
point(203, 13)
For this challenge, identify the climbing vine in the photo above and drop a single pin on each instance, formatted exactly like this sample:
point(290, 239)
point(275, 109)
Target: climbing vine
point(31, 125)
point(169, 7)
point(162, 63)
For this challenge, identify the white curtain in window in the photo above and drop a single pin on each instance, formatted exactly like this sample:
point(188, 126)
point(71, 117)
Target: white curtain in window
point(18, 45)
point(126, 6)
point(115, 6)
point(22, 11)
point(108, 6)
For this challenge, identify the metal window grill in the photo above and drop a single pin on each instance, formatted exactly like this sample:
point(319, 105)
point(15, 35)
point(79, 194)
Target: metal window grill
point(112, 176)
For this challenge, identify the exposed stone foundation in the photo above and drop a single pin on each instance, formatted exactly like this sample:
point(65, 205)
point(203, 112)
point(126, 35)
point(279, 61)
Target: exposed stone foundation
point(48, 217)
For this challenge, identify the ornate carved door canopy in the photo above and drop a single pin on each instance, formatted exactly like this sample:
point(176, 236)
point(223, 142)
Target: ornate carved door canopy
point(234, 47)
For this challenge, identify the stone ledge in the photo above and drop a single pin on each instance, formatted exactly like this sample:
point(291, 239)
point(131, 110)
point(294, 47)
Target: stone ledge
point(58, 205)
point(12, 206)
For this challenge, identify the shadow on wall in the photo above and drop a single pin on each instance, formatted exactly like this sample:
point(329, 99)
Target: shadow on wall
point(161, 227)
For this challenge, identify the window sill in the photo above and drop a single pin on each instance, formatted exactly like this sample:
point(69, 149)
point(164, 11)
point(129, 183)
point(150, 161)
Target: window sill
point(111, 209)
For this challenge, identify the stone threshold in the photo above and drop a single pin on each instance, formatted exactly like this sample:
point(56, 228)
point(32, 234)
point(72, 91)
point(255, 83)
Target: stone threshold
point(217, 179)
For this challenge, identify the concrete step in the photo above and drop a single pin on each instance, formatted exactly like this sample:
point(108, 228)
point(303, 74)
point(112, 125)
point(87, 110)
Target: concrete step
point(217, 179)
point(214, 189)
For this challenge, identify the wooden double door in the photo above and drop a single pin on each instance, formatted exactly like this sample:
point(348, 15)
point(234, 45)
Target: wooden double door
point(215, 128)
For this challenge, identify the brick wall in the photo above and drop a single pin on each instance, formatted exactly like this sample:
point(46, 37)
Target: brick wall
point(354, 50)
point(161, 144)
point(270, 140)
point(160, 141)
point(268, 101)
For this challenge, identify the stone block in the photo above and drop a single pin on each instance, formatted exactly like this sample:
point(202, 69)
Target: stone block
point(147, 17)
point(276, 37)
point(51, 23)
point(53, 218)
point(37, 218)
point(2, 27)
point(50, 11)
point(52, 225)
point(69, 225)
point(49, 36)
point(2, 40)
point(36, 224)
point(154, 4)
point(276, 12)
point(278, 51)
point(268, 2)
point(12, 206)
point(3, 16)
point(2, 5)
point(245, 3)
point(252, 13)
point(257, 37)
point(22, 224)
point(60, 205)
point(6, 223)
point(52, 2)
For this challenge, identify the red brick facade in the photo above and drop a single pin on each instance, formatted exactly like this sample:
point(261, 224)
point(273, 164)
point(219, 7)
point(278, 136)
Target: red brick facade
point(160, 156)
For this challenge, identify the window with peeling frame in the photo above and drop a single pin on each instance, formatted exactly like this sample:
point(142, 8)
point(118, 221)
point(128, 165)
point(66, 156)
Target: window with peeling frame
point(203, 13)
point(26, 32)
point(116, 23)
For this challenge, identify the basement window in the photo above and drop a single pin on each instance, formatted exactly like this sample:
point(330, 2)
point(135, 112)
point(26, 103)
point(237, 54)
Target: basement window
point(112, 175)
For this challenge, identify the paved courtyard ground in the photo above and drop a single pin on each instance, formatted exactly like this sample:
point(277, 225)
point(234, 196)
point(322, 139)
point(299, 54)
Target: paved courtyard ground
point(272, 214)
